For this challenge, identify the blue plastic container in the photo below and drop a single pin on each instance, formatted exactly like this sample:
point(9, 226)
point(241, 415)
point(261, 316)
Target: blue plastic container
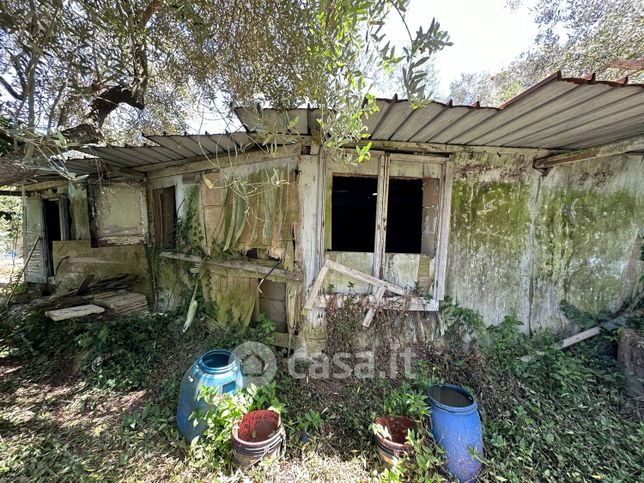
point(218, 368)
point(457, 428)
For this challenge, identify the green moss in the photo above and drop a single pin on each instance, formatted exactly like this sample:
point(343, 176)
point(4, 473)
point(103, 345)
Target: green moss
point(583, 239)
point(490, 216)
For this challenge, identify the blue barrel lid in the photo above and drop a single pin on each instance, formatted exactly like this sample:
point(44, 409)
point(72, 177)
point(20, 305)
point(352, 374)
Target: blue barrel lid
point(451, 398)
point(218, 361)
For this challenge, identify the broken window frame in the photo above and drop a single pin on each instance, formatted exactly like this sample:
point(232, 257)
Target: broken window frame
point(393, 165)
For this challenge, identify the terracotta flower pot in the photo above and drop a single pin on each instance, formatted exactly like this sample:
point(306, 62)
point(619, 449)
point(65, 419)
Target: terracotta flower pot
point(389, 450)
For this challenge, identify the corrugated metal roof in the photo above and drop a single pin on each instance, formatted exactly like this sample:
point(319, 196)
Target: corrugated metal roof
point(167, 150)
point(556, 113)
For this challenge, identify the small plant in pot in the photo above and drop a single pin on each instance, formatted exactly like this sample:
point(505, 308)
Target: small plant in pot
point(405, 410)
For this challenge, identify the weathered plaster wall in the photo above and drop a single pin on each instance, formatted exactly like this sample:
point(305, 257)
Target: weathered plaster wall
point(521, 243)
point(489, 260)
point(589, 223)
point(76, 259)
point(121, 214)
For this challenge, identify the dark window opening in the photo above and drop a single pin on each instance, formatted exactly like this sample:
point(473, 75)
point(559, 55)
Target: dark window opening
point(404, 216)
point(52, 230)
point(165, 217)
point(353, 217)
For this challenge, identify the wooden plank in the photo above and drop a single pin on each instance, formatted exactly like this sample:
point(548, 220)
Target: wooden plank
point(380, 239)
point(418, 147)
point(632, 145)
point(241, 268)
point(74, 312)
point(443, 235)
point(317, 285)
point(338, 267)
point(380, 293)
point(409, 303)
point(363, 277)
point(34, 236)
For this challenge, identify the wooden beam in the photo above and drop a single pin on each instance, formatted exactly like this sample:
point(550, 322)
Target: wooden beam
point(380, 240)
point(363, 277)
point(216, 162)
point(315, 289)
point(414, 147)
point(115, 171)
point(240, 268)
point(350, 272)
point(45, 185)
point(631, 145)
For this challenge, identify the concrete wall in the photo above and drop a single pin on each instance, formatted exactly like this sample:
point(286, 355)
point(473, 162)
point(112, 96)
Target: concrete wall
point(521, 243)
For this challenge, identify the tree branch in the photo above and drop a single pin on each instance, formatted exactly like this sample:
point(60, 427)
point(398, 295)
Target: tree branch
point(89, 131)
point(16, 95)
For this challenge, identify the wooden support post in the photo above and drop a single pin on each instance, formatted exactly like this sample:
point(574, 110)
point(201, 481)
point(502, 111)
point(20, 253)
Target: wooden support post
point(380, 240)
point(445, 210)
point(92, 214)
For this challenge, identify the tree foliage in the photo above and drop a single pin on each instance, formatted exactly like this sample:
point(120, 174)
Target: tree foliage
point(578, 37)
point(69, 67)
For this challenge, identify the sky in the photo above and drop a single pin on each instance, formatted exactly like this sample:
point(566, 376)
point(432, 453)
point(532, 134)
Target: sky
point(486, 34)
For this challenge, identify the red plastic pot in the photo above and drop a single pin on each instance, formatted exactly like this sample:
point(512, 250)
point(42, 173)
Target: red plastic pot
point(257, 436)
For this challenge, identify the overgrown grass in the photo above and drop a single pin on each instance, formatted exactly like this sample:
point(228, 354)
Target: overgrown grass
point(97, 398)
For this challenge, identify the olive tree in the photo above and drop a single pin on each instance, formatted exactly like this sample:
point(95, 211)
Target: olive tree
point(74, 70)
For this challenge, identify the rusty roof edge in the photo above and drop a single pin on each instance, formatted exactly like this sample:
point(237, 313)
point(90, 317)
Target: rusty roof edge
point(552, 77)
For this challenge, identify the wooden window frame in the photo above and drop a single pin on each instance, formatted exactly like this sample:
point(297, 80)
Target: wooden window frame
point(441, 237)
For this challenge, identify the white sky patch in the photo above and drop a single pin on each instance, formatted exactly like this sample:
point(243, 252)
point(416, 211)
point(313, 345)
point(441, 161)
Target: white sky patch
point(486, 34)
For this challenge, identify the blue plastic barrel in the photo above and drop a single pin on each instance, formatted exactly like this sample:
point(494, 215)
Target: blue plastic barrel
point(457, 428)
point(218, 368)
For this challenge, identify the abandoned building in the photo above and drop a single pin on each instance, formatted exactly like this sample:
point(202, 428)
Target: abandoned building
point(507, 210)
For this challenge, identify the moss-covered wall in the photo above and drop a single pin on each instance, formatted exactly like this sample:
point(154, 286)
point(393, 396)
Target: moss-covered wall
point(589, 222)
point(489, 260)
point(520, 242)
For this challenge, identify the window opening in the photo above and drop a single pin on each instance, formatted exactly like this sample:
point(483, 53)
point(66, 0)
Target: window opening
point(353, 217)
point(404, 216)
